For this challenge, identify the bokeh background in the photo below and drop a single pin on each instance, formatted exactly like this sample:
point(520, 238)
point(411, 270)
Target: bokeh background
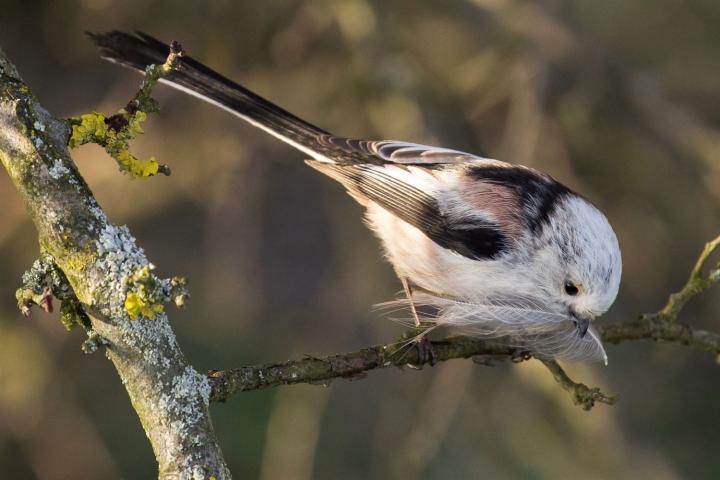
point(620, 100)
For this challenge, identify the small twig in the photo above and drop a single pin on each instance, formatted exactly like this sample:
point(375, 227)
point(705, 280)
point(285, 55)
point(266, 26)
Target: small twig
point(580, 393)
point(143, 100)
point(115, 132)
point(695, 285)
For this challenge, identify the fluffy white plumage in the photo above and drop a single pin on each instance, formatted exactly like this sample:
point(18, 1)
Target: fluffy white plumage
point(520, 293)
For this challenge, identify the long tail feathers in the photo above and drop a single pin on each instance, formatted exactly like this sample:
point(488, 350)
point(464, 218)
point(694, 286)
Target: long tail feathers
point(141, 50)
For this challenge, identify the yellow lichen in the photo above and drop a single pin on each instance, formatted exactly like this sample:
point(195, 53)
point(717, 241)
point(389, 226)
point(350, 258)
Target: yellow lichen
point(136, 306)
point(133, 127)
point(93, 128)
point(139, 302)
point(135, 167)
point(78, 261)
point(87, 128)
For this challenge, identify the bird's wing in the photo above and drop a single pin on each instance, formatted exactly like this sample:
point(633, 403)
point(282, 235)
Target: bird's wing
point(380, 152)
point(412, 194)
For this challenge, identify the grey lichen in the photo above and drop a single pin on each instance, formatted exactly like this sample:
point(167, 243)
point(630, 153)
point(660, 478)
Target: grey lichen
point(120, 257)
point(132, 289)
point(181, 399)
point(58, 169)
point(93, 343)
point(45, 281)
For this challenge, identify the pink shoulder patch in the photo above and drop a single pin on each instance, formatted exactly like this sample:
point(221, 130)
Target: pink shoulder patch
point(497, 201)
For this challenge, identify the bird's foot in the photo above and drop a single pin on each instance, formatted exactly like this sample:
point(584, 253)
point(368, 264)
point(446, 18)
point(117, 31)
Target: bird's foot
point(426, 354)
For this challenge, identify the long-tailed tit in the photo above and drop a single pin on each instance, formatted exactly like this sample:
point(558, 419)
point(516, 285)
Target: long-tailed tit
point(495, 249)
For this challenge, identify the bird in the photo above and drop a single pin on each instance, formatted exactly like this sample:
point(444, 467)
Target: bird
point(488, 248)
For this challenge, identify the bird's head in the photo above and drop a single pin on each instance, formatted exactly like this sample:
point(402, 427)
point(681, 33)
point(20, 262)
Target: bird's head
point(578, 261)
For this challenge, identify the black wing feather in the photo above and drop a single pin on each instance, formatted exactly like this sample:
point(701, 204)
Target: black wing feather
point(475, 239)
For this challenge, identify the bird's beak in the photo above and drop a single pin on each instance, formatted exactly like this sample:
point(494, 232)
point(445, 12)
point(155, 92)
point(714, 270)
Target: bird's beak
point(582, 323)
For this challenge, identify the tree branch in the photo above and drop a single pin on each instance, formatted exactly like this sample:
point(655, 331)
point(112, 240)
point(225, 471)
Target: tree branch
point(696, 284)
point(660, 326)
point(350, 366)
point(580, 393)
point(105, 269)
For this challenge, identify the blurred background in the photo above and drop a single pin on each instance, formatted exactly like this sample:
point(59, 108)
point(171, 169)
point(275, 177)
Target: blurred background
point(617, 99)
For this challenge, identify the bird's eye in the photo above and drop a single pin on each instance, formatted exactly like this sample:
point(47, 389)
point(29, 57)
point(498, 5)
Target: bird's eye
point(571, 289)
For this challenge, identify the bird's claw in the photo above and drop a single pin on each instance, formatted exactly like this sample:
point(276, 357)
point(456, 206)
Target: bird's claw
point(426, 353)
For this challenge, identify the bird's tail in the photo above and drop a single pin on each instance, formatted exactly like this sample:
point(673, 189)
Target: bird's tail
point(140, 50)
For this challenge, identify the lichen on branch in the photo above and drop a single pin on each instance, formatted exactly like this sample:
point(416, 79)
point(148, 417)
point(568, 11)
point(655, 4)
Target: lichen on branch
point(115, 132)
point(96, 128)
point(147, 293)
point(137, 291)
point(43, 281)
